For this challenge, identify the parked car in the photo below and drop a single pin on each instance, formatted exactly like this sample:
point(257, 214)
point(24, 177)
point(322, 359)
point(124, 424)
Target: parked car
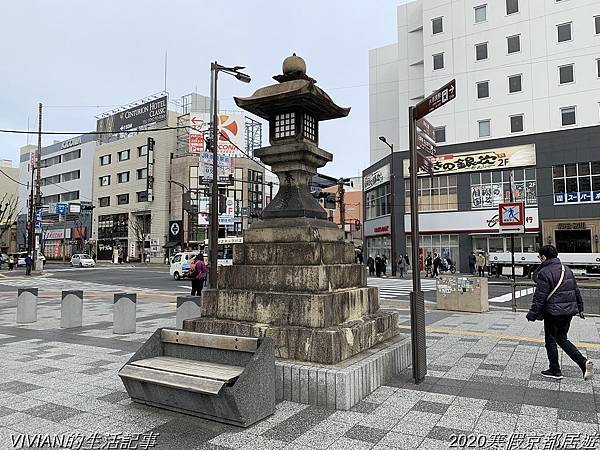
point(180, 264)
point(82, 260)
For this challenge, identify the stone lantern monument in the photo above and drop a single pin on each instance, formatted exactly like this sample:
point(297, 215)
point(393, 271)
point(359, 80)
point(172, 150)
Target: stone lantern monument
point(294, 277)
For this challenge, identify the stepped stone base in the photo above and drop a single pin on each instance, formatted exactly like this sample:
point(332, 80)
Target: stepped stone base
point(328, 345)
point(343, 385)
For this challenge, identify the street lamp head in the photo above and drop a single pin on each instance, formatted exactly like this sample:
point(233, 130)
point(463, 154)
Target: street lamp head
point(243, 77)
point(236, 68)
point(382, 139)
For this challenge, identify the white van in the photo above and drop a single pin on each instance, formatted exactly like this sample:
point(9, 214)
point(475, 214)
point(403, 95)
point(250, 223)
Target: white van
point(180, 264)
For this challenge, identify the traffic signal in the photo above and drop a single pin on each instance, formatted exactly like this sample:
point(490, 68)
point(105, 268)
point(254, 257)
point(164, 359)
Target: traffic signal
point(222, 204)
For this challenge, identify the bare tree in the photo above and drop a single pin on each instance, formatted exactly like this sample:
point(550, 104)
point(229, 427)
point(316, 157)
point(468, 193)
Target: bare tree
point(141, 227)
point(8, 213)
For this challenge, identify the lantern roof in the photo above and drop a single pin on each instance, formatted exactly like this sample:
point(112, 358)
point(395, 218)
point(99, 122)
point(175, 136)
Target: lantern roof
point(295, 91)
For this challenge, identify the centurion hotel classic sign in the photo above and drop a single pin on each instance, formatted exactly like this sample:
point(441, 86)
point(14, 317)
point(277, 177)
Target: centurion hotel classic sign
point(498, 158)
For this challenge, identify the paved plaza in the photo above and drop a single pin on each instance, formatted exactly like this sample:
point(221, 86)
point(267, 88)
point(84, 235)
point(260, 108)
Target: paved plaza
point(483, 380)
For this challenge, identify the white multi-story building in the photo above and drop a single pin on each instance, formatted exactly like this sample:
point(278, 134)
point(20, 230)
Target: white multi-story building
point(66, 177)
point(524, 124)
point(521, 66)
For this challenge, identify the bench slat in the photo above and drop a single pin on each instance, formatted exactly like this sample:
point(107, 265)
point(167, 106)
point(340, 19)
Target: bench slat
point(170, 379)
point(221, 372)
point(223, 342)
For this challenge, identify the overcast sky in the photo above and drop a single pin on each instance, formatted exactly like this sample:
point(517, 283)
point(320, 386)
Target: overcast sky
point(84, 58)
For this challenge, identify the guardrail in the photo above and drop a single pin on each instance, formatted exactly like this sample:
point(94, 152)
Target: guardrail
point(522, 295)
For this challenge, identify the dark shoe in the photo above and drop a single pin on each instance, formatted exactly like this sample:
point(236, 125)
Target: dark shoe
point(554, 374)
point(588, 372)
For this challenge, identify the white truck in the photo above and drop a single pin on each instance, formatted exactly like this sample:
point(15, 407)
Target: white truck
point(582, 264)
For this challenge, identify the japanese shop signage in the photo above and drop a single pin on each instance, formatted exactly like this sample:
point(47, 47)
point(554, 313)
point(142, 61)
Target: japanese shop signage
point(499, 158)
point(374, 179)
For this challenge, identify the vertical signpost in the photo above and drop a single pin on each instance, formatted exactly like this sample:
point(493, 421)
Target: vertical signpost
point(421, 147)
point(511, 219)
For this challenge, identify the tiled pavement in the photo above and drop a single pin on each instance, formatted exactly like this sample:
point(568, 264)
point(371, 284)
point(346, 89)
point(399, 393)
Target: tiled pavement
point(64, 381)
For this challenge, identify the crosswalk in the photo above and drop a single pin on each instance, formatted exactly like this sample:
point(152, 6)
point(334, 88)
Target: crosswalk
point(56, 284)
point(398, 288)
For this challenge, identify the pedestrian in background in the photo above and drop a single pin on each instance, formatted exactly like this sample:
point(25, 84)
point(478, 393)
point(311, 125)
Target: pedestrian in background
point(428, 264)
point(383, 264)
point(371, 265)
point(401, 266)
point(437, 261)
point(555, 301)
point(481, 263)
point(11, 262)
point(378, 263)
point(197, 273)
point(472, 263)
point(28, 264)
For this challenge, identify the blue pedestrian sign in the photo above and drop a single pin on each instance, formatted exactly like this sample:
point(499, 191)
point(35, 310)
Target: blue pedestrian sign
point(61, 208)
point(38, 214)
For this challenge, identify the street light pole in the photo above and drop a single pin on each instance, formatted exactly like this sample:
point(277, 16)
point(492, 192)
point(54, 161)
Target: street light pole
point(215, 68)
point(394, 257)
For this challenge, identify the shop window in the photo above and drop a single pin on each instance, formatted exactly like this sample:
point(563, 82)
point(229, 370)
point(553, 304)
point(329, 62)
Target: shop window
point(576, 183)
point(445, 245)
point(434, 193)
point(378, 201)
point(489, 189)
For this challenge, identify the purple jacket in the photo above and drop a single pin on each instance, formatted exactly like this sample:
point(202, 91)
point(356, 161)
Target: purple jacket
point(566, 301)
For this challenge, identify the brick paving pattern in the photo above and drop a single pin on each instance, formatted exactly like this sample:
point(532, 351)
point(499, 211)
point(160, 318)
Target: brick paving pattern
point(483, 379)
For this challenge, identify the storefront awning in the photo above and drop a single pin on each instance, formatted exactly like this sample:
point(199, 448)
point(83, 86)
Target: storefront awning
point(171, 244)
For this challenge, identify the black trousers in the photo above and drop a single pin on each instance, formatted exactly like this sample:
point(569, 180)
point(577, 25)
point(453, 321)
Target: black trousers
point(556, 329)
point(197, 285)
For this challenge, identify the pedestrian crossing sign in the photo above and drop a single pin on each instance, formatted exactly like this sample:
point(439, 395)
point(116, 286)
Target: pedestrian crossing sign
point(511, 217)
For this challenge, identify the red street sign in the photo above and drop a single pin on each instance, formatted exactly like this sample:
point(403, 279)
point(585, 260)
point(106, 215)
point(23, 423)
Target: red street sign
point(426, 128)
point(435, 100)
point(511, 213)
point(424, 144)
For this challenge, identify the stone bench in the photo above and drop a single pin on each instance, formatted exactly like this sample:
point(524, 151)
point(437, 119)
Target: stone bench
point(229, 379)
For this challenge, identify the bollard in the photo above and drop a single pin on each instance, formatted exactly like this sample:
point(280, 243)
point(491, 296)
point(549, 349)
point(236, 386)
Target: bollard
point(188, 307)
point(124, 313)
point(27, 305)
point(71, 309)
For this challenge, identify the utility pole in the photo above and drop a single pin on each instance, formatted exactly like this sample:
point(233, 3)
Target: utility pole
point(35, 202)
point(214, 195)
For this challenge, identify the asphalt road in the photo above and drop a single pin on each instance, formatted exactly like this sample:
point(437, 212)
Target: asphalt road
point(157, 277)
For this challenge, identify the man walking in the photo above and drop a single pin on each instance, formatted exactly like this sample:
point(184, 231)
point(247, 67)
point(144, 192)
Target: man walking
point(555, 301)
point(472, 261)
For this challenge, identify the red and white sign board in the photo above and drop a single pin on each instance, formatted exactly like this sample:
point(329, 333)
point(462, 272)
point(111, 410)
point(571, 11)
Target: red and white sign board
point(232, 133)
point(511, 217)
point(198, 127)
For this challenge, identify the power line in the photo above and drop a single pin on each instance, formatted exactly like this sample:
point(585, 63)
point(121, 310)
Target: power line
point(8, 176)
